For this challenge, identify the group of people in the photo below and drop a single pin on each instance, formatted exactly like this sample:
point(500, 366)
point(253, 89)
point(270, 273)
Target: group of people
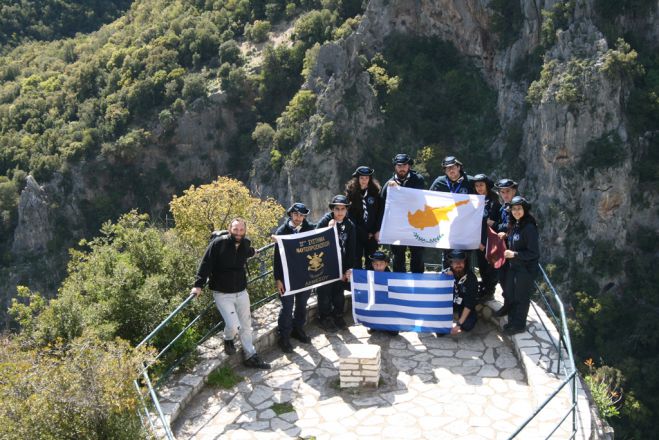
point(357, 215)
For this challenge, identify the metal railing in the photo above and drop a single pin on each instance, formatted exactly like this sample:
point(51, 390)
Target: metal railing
point(565, 366)
point(150, 402)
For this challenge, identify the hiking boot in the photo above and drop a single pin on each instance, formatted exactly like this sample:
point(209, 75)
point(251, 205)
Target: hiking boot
point(300, 335)
point(285, 345)
point(256, 362)
point(229, 347)
point(340, 323)
point(327, 324)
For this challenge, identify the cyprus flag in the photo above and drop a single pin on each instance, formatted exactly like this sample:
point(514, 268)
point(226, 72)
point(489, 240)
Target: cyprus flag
point(415, 217)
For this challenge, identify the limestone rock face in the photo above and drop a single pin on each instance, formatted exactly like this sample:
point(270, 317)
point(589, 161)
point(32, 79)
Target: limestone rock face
point(34, 229)
point(577, 204)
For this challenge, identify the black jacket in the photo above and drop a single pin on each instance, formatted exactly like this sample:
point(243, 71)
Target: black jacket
point(465, 292)
point(492, 212)
point(223, 265)
point(523, 239)
point(444, 184)
point(286, 229)
point(373, 208)
point(347, 239)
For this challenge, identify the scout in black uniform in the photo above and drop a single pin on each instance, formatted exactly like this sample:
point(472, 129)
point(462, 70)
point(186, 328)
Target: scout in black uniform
point(380, 262)
point(507, 190)
point(522, 254)
point(363, 192)
point(491, 218)
point(408, 178)
point(291, 323)
point(465, 290)
point(455, 181)
point(331, 301)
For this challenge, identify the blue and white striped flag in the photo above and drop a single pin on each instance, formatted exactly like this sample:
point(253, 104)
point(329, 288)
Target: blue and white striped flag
point(403, 301)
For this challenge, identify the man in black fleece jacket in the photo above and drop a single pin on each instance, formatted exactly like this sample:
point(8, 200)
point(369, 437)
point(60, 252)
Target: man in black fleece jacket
point(223, 267)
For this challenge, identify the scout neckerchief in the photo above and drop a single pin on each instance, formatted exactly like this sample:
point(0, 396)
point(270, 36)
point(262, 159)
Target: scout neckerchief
point(403, 181)
point(459, 183)
point(365, 205)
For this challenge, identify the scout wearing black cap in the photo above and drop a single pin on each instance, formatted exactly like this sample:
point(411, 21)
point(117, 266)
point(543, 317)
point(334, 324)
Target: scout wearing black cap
point(339, 200)
point(402, 158)
point(298, 207)
point(519, 200)
point(506, 183)
point(451, 160)
point(379, 256)
point(363, 171)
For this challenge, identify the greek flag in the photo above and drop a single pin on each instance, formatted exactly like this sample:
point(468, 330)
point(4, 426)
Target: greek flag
point(402, 301)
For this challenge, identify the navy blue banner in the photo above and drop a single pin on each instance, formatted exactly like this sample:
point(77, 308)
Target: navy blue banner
point(309, 259)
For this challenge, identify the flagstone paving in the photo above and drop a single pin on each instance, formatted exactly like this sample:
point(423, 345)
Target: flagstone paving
point(471, 387)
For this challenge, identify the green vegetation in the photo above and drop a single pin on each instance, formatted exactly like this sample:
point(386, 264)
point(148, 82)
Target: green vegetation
point(24, 20)
point(430, 96)
point(604, 389)
point(79, 389)
point(88, 99)
point(566, 87)
point(507, 20)
point(224, 377)
point(282, 408)
point(555, 19)
point(605, 152)
point(69, 372)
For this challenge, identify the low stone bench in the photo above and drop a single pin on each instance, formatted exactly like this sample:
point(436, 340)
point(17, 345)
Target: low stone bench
point(359, 365)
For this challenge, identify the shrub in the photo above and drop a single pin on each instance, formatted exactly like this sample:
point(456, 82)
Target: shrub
point(81, 389)
point(194, 87)
point(258, 31)
point(210, 207)
point(315, 27)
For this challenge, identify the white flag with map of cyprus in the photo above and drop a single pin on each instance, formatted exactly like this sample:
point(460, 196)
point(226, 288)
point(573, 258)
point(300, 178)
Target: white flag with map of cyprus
point(415, 217)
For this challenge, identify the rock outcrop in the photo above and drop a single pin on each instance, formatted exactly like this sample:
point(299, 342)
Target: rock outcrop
point(34, 230)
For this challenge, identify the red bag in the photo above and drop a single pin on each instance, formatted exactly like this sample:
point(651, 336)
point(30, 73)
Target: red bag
point(495, 248)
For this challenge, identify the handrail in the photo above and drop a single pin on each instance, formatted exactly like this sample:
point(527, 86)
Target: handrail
point(564, 339)
point(570, 369)
point(144, 373)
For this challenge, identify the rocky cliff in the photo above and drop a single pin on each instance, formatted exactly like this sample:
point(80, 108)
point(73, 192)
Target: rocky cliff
point(564, 122)
point(562, 131)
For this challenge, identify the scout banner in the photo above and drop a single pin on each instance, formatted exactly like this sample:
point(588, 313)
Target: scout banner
point(309, 259)
point(415, 217)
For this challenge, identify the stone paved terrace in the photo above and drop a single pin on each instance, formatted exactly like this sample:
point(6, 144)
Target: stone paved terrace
point(479, 385)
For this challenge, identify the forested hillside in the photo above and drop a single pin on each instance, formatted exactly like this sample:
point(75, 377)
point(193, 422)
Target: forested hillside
point(116, 105)
point(30, 20)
